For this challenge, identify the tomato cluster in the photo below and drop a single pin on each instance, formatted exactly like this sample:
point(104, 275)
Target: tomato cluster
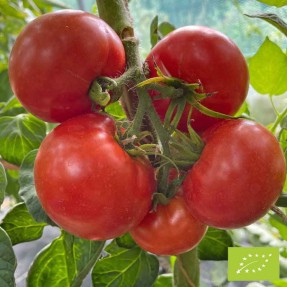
point(86, 181)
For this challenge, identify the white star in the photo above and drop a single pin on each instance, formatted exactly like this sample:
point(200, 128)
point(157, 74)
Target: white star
point(263, 256)
point(250, 255)
point(266, 260)
point(259, 269)
point(253, 270)
point(256, 255)
point(270, 254)
point(247, 270)
point(263, 265)
point(244, 258)
point(238, 271)
point(241, 264)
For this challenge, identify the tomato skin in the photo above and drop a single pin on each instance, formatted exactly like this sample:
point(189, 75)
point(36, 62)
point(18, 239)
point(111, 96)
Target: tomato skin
point(239, 176)
point(55, 59)
point(198, 54)
point(87, 183)
point(170, 230)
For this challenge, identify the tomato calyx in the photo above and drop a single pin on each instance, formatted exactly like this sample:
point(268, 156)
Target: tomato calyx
point(180, 94)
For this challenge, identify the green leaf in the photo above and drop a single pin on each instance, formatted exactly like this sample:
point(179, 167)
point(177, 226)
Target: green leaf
point(126, 241)
point(13, 186)
point(214, 245)
point(27, 189)
point(165, 28)
point(115, 109)
point(159, 31)
point(11, 108)
point(5, 89)
point(243, 110)
point(21, 226)
point(279, 224)
point(19, 135)
point(268, 69)
point(3, 183)
point(186, 269)
point(164, 280)
point(274, 20)
point(125, 267)
point(277, 3)
point(153, 31)
point(7, 261)
point(280, 283)
point(64, 263)
point(10, 9)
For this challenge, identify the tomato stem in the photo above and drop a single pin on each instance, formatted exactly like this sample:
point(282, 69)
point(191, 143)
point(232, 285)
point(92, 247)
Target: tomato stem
point(278, 120)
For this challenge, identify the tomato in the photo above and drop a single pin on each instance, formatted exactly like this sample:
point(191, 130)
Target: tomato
point(87, 183)
point(170, 230)
point(239, 176)
point(55, 59)
point(198, 54)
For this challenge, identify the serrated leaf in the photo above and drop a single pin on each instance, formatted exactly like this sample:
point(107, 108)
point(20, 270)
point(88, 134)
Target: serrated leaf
point(164, 280)
point(214, 245)
point(277, 3)
point(268, 69)
point(64, 263)
point(5, 89)
point(21, 226)
point(19, 135)
point(27, 189)
point(7, 261)
point(3, 183)
point(11, 108)
point(125, 267)
point(279, 224)
point(274, 20)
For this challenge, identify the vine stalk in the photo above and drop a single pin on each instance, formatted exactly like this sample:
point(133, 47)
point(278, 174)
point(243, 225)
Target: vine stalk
point(138, 103)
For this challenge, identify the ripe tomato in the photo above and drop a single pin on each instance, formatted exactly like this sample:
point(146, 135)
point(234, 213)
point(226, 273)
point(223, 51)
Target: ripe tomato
point(55, 59)
point(238, 177)
point(87, 183)
point(199, 54)
point(170, 230)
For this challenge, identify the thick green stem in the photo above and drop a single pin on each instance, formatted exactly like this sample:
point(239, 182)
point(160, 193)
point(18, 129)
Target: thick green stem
point(116, 14)
point(186, 270)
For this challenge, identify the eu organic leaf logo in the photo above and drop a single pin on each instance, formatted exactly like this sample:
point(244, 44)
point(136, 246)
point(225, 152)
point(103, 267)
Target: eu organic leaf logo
point(253, 263)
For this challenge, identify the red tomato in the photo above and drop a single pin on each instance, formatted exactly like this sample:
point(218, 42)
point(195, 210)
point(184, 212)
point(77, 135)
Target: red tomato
point(55, 59)
point(170, 230)
point(199, 54)
point(239, 176)
point(87, 183)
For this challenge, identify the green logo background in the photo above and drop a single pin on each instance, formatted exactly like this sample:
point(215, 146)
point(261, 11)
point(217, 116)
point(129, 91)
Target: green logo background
point(253, 263)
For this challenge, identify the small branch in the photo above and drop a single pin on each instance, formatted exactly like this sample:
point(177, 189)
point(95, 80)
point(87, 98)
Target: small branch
point(282, 200)
point(8, 165)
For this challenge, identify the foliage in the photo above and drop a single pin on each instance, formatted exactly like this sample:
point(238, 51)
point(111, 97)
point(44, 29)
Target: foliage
point(67, 260)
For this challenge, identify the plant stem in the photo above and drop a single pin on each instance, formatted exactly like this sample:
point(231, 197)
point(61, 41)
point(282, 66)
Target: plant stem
point(186, 269)
point(116, 14)
point(279, 119)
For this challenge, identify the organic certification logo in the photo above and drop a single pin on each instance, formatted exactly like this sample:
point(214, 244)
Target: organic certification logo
point(253, 263)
